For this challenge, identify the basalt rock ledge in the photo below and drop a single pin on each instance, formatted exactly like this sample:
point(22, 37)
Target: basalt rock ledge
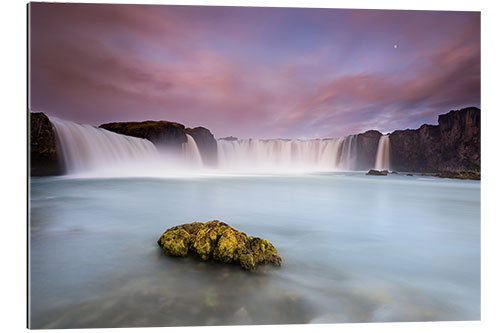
point(169, 135)
point(164, 134)
point(452, 145)
point(44, 157)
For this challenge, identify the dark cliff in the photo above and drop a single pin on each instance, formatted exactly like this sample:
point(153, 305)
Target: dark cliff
point(171, 135)
point(453, 144)
point(164, 134)
point(206, 144)
point(461, 139)
point(367, 145)
point(44, 160)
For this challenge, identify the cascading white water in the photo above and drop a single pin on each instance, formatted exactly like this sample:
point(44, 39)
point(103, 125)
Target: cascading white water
point(287, 155)
point(90, 150)
point(191, 153)
point(383, 159)
point(87, 148)
point(349, 153)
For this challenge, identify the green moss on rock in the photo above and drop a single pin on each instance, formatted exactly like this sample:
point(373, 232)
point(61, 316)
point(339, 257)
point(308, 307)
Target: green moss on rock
point(215, 240)
point(264, 251)
point(471, 174)
point(162, 133)
point(374, 172)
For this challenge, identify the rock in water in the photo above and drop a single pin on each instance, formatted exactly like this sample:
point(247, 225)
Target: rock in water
point(472, 174)
point(373, 172)
point(215, 240)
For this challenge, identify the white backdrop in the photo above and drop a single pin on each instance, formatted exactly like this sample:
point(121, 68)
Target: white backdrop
point(13, 166)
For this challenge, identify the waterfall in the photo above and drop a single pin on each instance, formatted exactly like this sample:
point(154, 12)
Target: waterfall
point(91, 150)
point(349, 153)
point(383, 153)
point(87, 148)
point(287, 155)
point(191, 153)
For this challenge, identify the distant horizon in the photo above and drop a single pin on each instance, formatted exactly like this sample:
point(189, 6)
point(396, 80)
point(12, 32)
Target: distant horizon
point(253, 72)
point(276, 138)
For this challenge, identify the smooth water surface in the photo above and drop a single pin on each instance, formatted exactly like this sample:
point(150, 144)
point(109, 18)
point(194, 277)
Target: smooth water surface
point(355, 248)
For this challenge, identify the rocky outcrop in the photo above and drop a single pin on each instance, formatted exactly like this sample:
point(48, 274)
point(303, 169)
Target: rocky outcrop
point(374, 172)
point(164, 134)
point(367, 145)
point(44, 158)
point(170, 135)
point(460, 139)
point(415, 150)
point(452, 145)
point(206, 144)
point(215, 240)
point(229, 138)
point(474, 175)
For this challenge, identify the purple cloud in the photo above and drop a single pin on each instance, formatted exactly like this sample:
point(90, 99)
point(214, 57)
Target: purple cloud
point(253, 72)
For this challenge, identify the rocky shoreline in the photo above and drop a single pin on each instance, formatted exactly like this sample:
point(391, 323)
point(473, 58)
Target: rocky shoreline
point(472, 174)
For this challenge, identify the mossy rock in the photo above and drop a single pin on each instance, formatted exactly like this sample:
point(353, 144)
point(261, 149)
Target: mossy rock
point(374, 172)
point(164, 134)
point(218, 241)
point(471, 174)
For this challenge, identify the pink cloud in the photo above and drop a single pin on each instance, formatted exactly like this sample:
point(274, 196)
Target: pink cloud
point(100, 63)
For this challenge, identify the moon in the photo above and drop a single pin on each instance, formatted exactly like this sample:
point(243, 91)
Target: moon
point(395, 46)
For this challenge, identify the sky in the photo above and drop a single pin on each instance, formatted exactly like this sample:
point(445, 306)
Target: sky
point(253, 72)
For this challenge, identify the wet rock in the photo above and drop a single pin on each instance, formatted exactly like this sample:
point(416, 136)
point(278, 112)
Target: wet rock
point(374, 172)
point(473, 174)
point(366, 149)
point(215, 240)
point(206, 144)
point(44, 158)
point(164, 134)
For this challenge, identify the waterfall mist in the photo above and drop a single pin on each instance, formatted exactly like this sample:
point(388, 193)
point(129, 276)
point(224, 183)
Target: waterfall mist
point(89, 150)
point(287, 155)
point(191, 153)
point(383, 153)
